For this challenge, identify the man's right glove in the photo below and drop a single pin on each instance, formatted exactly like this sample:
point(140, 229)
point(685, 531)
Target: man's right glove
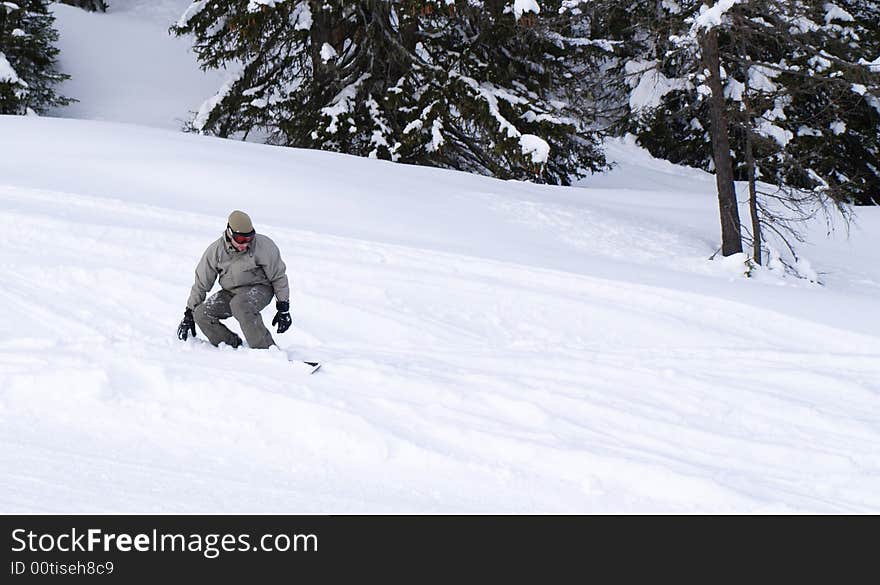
point(282, 317)
point(188, 325)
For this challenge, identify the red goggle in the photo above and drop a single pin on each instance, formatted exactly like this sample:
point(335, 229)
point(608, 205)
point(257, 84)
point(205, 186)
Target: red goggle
point(240, 238)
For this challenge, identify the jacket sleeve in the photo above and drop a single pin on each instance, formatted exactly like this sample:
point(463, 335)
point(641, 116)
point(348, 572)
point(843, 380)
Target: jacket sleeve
point(275, 269)
point(206, 274)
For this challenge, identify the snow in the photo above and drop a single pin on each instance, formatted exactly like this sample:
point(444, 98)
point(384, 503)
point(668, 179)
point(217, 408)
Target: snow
point(380, 130)
point(807, 131)
point(761, 78)
point(734, 90)
point(766, 127)
point(536, 147)
point(819, 63)
point(834, 12)
point(163, 88)
point(522, 6)
point(7, 73)
point(837, 127)
point(671, 6)
point(491, 94)
point(649, 84)
point(201, 118)
point(712, 16)
point(301, 16)
point(342, 103)
point(770, 130)
point(414, 125)
point(873, 66)
point(191, 11)
point(488, 346)
point(328, 52)
point(437, 139)
point(805, 269)
point(257, 5)
point(804, 25)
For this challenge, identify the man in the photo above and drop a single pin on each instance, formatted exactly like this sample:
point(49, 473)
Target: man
point(251, 271)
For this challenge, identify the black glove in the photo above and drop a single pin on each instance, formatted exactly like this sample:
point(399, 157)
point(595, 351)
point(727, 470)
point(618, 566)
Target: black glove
point(188, 325)
point(282, 317)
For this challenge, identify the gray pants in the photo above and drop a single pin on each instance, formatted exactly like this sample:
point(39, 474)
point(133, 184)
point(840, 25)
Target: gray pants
point(245, 305)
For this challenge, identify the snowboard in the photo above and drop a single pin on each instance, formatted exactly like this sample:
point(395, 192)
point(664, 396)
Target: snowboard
point(305, 367)
point(314, 365)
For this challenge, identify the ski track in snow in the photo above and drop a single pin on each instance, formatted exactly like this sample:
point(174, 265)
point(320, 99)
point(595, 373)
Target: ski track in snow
point(451, 383)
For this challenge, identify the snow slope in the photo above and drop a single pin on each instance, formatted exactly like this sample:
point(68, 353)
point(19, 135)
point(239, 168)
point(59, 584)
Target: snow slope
point(125, 67)
point(482, 354)
point(489, 346)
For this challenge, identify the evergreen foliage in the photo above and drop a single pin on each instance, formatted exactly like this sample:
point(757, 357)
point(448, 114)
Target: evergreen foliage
point(478, 85)
point(90, 5)
point(28, 68)
point(798, 82)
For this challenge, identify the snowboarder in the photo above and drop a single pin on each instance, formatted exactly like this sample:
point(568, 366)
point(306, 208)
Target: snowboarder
point(251, 271)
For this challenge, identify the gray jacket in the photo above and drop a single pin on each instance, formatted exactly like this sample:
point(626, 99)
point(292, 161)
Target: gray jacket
point(260, 264)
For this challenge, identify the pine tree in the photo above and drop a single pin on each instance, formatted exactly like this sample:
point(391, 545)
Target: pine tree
point(794, 88)
point(28, 68)
point(811, 60)
point(90, 5)
point(482, 86)
point(834, 109)
point(636, 36)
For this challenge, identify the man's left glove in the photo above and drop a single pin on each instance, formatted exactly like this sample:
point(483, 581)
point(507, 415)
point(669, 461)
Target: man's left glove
point(282, 317)
point(188, 325)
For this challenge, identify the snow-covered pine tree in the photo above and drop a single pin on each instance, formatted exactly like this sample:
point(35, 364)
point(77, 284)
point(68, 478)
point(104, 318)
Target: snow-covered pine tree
point(495, 89)
point(806, 115)
point(28, 68)
point(487, 86)
point(813, 60)
point(635, 35)
point(663, 109)
point(90, 5)
point(833, 79)
point(798, 83)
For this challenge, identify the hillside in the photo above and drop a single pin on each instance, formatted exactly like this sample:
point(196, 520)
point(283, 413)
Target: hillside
point(488, 346)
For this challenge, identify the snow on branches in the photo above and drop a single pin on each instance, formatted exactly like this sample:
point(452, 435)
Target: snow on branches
point(463, 84)
point(28, 59)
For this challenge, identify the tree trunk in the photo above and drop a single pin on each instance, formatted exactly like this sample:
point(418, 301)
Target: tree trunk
point(748, 123)
point(731, 232)
point(753, 198)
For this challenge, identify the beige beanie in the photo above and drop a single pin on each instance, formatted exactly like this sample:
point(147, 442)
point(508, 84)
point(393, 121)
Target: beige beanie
point(240, 222)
